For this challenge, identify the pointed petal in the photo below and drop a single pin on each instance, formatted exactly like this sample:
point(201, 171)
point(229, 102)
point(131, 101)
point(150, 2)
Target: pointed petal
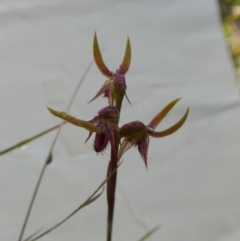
point(127, 98)
point(143, 148)
point(98, 58)
point(170, 130)
point(89, 135)
point(160, 116)
point(126, 59)
point(103, 90)
point(126, 145)
point(77, 122)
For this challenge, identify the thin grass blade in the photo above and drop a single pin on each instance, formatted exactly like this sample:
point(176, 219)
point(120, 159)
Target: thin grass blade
point(148, 234)
point(95, 195)
point(24, 142)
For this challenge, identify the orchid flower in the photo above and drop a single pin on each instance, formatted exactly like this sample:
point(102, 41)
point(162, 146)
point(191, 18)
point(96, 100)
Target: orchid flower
point(104, 125)
point(115, 86)
point(137, 134)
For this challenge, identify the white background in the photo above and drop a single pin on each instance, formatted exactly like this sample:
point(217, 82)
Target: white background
point(191, 187)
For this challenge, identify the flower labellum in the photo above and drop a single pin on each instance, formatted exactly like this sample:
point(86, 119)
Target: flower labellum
point(101, 139)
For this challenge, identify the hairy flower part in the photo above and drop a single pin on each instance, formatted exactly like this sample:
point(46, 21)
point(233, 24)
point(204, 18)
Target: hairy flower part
point(105, 124)
point(110, 130)
point(101, 139)
point(137, 134)
point(107, 121)
point(115, 86)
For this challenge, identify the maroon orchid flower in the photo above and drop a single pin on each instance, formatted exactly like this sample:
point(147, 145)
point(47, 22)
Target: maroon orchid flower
point(107, 121)
point(104, 125)
point(137, 134)
point(115, 87)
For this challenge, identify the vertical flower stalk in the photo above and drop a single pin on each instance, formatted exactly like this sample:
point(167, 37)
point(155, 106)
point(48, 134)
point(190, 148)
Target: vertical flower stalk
point(114, 89)
point(105, 124)
point(111, 189)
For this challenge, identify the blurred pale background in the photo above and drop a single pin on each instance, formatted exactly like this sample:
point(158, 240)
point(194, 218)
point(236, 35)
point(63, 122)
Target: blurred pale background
point(192, 186)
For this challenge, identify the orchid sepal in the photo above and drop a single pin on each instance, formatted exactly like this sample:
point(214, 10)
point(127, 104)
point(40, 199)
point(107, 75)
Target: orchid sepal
point(171, 129)
point(98, 58)
point(103, 90)
point(162, 114)
point(77, 122)
point(126, 59)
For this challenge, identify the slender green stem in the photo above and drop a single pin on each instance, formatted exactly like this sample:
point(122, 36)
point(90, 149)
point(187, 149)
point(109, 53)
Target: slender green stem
point(32, 202)
point(91, 199)
point(94, 196)
point(149, 233)
point(24, 142)
point(49, 157)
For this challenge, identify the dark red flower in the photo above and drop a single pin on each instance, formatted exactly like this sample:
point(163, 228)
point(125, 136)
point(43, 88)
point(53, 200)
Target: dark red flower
point(115, 86)
point(105, 125)
point(107, 121)
point(137, 134)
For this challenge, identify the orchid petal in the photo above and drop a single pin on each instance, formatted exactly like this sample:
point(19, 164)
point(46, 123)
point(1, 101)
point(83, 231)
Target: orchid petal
point(127, 98)
point(101, 141)
point(170, 130)
point(89, 135)
point(126, 145)
point(126, 59)
point(143, 148)
point(160, 116)
point(77, 122)
point(103, 90)
point(98, 58)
